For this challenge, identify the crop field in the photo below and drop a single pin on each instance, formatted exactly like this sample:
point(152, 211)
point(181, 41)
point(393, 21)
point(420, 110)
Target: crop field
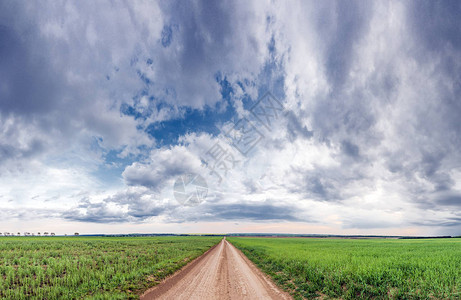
point(359, 269)
point(91, 267)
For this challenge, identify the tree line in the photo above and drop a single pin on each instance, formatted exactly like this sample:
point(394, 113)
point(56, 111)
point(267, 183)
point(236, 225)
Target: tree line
point(31, 234)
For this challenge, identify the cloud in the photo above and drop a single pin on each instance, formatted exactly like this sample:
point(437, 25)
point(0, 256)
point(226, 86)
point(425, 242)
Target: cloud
point(258, 212)
point(369, 139)
point(129, 206)
point(54, 93)
point(29, 214)
point(198, 41)
point(28, 81)
point(140, 205)
point(163, 165)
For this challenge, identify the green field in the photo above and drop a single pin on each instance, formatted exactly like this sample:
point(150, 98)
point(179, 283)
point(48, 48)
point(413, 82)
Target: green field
point(91, 267)
point(359, 269)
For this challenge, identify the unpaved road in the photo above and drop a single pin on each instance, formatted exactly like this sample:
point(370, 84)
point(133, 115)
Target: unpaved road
point(221, 273)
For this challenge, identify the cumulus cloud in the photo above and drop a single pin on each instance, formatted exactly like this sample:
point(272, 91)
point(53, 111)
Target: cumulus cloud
point(129, 206)
point(164, 165)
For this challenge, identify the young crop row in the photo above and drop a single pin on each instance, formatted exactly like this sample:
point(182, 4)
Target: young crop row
point(98, 268)
point(359, 269)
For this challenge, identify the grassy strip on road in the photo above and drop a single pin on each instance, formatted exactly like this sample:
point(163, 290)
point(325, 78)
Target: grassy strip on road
point(91, 267)
point(359, 269)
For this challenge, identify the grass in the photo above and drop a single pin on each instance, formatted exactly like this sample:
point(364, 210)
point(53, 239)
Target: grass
point(91, 267)
point(359, 269)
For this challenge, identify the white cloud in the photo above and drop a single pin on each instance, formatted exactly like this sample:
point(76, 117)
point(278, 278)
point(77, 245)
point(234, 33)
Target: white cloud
point(163, 165)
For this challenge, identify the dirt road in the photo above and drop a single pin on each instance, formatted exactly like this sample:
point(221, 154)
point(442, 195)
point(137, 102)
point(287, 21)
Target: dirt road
point(221, 273)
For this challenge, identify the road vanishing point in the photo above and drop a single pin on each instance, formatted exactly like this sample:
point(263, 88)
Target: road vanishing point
point(223, 272)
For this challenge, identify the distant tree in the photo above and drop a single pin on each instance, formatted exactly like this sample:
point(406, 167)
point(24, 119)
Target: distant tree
point(38, 233)
point(53, 234)
point(19, 233)
point(45, 233)
point(76, 233)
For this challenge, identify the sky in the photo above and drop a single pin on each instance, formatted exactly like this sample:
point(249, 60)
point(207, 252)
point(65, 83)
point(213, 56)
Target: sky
point(327, 117)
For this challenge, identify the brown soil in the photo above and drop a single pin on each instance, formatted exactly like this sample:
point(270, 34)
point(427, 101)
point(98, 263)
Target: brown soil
point(223, 272)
